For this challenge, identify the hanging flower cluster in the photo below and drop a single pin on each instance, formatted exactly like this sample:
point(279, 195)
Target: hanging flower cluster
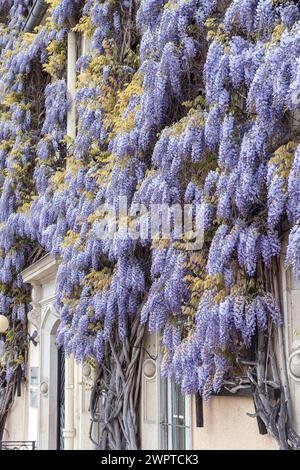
point(180, 101)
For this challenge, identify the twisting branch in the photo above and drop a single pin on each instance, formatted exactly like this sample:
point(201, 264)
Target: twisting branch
point(7, 396)
point(270, 388)
point(115, 395)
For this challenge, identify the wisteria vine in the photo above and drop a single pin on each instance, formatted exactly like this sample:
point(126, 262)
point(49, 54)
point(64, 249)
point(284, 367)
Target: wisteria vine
point(193, 101)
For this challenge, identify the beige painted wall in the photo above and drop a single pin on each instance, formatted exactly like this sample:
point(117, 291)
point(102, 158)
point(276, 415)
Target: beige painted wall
point(227, 426)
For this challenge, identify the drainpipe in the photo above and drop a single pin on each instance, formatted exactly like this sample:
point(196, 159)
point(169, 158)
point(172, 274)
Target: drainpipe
point(72, 57)
point(35, 16)
point(69, 431)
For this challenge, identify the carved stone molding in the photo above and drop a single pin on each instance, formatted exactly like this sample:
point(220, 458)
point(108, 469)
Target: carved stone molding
point(44, 388)
point(294, 365)
point(49, 311)
point(36, 292)
point(34, 316)
point(149, 369)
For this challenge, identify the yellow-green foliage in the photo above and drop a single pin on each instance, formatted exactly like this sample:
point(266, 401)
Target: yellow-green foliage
point(282, 161)
point(99, 280)
point(70, 239)
point(171, 5)
point(216, 33)
point(116, 119)
point(56, 59)
point(85, 26)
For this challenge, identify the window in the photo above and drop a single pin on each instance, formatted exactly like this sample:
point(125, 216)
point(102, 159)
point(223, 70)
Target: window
point(175, 417)
point(34, 382)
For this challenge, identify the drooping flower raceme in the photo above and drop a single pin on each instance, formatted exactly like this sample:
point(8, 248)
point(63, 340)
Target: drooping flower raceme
point(177, 102)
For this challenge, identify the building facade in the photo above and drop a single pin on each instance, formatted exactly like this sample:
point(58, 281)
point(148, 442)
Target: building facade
point(54, 407)
point(53, 410)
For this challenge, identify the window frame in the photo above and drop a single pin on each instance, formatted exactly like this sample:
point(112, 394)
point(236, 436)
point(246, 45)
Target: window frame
point(167, 427)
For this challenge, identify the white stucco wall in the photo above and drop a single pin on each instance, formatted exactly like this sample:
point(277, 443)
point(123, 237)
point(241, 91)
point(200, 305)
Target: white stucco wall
point(149, 400)
point(16, 424)
point(82, 414)
point(33, 361)
point(25, 423)
point(291, 307)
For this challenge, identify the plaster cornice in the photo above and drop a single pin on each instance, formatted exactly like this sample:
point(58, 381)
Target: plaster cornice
point(41, 271)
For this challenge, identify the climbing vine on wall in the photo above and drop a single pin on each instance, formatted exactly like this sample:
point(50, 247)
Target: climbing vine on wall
point(185, 101)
